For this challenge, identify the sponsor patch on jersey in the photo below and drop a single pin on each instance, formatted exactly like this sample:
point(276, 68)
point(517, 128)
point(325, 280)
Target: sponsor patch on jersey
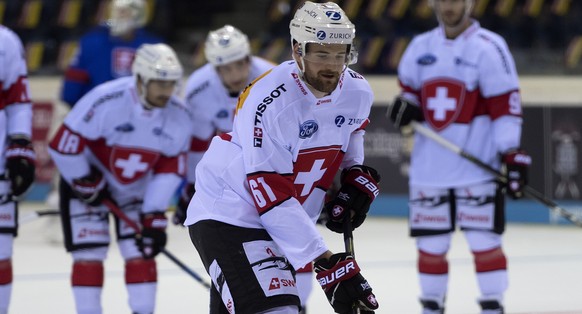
point(339, 121)
point(257, 142)
point(126, 127)
point(355, 75)
point(426, 59)
point(299, 84)
point(307, 129)
point(460, 61)
point(222, 114)
point(442, 101)
point(160, 132)
point(276, 93)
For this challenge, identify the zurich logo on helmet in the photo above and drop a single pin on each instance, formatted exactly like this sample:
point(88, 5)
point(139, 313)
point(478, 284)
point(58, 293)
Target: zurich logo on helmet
point(333, 15)
point(321, 35)
point(224, 41)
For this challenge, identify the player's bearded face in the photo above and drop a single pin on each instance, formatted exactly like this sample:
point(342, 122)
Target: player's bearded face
point(235, 75)
point(450, 12)
point(324, 64)
point(158, 92)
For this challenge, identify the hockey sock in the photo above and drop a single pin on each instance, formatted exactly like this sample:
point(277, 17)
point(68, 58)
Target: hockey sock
point(5, 284)
point(141, 281)
point(87, 281)
point(491, 268)
point(304, 279)
point(434, 275)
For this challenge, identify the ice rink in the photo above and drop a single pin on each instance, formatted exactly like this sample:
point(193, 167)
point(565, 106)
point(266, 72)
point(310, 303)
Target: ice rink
point(545, 270)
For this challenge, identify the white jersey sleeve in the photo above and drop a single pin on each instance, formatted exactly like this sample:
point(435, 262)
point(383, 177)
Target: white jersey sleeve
point(14, 89)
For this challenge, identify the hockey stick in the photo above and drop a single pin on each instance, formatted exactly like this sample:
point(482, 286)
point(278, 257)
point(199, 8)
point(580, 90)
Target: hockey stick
point(528, 190)
point(37, 214)
point(133, 225)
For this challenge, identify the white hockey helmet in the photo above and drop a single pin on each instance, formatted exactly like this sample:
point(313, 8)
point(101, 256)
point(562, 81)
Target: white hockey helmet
point(156, 62)
point(126, 15)
point(468, 7)
point(323, 23)
point(225, 45)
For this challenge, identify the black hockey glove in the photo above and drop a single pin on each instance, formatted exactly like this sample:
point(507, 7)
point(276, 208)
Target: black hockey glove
point(153, 235)
point(359, 188)
point(344, 286)
point(92, 188)
point(401, 112)
point(516, 162)
point(20, 165)
point(182, 207)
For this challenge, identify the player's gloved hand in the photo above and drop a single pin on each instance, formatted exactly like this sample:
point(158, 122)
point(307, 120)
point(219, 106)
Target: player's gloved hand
point(516, 162)
point(401, 112)
point(153, 235)
point(182, 207)
point(359, 188)
point(343, 284)
point(20, 165)
point(92, 188)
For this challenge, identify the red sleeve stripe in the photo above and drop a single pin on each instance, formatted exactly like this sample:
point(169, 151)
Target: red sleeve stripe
point(270, 190)
point(67, 141)
point(225, 136)
point(364, 125)
point(77, 75)
point(174, 164)
point(499, 106)
point(198, 145)
point(16, 93)
point(408, 89)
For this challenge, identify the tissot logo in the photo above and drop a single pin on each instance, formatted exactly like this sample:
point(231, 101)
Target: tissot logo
point(266, 101)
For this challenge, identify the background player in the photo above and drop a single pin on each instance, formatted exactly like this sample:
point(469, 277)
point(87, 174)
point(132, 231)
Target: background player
point(126, 140)
point(17, 161)
point(460, 79)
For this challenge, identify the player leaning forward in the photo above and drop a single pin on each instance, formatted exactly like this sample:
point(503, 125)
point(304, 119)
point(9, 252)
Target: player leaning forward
point(125, 141)
point(260, 188)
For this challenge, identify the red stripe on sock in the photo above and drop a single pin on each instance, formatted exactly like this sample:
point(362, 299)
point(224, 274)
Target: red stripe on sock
point(140, 270)
point(5, 272)
point(490, 260)
point(432, 264)
point(88, 274)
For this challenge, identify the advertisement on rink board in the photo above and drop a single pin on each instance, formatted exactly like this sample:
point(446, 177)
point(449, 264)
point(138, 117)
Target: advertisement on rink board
point(552, 135)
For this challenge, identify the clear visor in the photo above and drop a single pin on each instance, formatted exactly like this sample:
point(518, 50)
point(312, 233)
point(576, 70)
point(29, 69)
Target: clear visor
point(325, 58)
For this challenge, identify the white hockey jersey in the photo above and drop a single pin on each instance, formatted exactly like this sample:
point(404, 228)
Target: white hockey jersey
point(212, 107)
point(15, 105)
point(469, 92)
point(273, 169)
point(140, 152)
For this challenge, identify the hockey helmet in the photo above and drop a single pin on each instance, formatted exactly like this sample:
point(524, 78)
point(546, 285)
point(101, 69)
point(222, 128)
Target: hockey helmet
point(126, 15)
point(323, 23)
point(226, 45)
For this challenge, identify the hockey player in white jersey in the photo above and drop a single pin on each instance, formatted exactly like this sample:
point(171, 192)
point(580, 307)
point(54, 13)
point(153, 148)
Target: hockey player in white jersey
point(461, 80)
point(260, 188)
point(125, 141)
point(17, 161)
point(211, 94)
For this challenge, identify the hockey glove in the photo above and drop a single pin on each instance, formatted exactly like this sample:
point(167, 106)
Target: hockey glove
point(343, 284)
point(401, 112)
point(92, 188)
point(359, 187)
point(516, 162)
point(20, 165)
point(182, 206)
point(153, 236)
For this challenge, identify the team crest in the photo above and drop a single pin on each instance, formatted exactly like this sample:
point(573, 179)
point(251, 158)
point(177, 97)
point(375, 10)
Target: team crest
point(442, 101)
point(129, 164)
